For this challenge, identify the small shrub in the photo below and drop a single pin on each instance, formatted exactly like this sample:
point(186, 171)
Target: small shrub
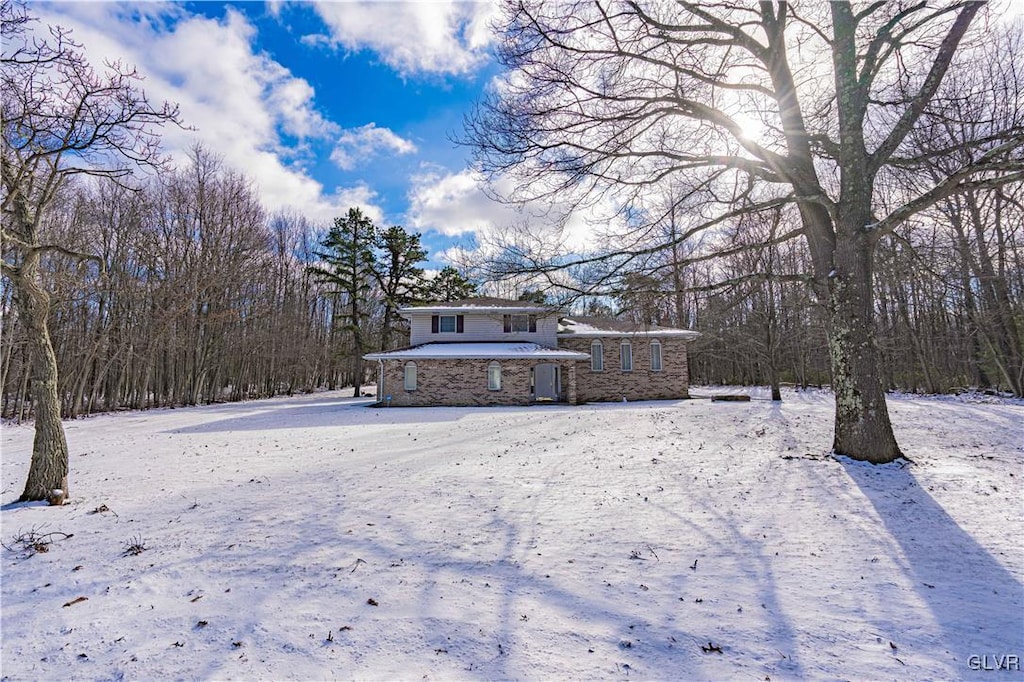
point(134, 547)
point(31, 542)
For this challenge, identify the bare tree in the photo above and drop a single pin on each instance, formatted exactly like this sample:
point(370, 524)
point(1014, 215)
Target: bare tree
point(61, 118)
point(751, 106)
point(980, 101)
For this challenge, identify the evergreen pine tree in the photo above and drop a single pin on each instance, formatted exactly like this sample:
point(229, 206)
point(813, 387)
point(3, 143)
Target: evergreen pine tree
point(348, 266)
point(450, 285)
point(398, 275)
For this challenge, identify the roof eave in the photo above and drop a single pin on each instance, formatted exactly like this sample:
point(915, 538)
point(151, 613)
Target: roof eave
point(461, 310)
point(681, 333)
point(561, 355)
point(476, 351)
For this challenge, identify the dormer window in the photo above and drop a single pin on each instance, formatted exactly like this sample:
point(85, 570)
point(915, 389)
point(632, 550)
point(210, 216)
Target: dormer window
point(520, 323)
point(447, 324)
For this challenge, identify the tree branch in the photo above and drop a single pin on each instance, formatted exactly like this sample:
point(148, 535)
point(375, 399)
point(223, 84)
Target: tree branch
point(943, 58)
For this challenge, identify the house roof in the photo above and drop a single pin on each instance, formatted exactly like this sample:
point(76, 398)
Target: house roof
point(478, 351)
point(610, 326)
point(478, 304)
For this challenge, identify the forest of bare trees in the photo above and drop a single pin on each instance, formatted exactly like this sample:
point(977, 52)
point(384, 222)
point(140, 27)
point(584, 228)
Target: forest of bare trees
point(201, 297)
point(949, 300)
point(204, 297)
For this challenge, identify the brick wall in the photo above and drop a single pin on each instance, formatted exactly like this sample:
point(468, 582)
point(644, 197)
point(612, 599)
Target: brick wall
point(464, 382)
point(612, 384)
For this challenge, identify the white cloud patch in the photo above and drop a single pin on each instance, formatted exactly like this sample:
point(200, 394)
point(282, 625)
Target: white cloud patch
point(411, 37)
point(359, 144)
point(243, 105)
point(455, 204)
point(362, 197)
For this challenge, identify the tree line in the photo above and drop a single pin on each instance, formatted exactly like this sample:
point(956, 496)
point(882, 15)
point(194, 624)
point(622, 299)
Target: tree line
point(949, 302)
point(198, 295)
point(129, 282)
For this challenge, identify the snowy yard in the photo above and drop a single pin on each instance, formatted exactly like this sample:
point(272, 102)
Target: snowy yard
point(317, 538)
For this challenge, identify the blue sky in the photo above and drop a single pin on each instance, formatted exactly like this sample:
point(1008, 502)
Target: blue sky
point(324, 105)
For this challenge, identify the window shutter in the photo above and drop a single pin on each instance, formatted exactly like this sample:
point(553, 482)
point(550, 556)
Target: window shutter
point(508, 324)
point(460, 325)
point(435, 323)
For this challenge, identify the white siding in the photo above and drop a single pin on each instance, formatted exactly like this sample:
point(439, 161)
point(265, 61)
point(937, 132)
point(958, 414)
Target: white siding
point(483, 327)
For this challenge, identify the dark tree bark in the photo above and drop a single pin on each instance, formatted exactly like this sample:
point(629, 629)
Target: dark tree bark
point(57, 109)
point(49, 465)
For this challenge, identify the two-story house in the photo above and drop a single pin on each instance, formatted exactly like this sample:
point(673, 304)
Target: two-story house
point(489, 351)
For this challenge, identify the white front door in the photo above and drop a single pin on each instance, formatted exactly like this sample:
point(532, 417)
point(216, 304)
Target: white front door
point(546, 382)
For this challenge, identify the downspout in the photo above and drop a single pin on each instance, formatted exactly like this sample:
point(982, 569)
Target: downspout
point(380, 380)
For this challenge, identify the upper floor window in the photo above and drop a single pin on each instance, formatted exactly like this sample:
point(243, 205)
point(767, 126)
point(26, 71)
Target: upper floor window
point(410, 376)
point(597, 356)
point(520, 323)
point(655, 356)
point(447, 324)
point(626, 356)
point(494, 376)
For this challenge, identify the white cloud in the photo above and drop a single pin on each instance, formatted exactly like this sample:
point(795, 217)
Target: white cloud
point(455, 204)
point(411, 37)
point(242, 104)
point(362, 197)
point(358, 144)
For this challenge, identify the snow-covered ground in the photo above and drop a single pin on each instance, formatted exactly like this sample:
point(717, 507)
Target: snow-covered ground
point(317, 538)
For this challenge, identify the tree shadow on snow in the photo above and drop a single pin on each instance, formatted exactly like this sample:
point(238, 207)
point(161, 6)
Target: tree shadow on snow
point(346, 555)
point(328, 413)
point(975, 600)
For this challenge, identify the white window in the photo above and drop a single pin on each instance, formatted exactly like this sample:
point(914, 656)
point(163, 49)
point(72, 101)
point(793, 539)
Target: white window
point(410, 376)
point(655, 356)
point(447, 324)
point(626, 356)
point(520, 323)
point(597, 356)
point(494, 376)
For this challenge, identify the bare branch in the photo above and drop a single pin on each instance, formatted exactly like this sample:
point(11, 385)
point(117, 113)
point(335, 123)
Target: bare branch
point(940, 64)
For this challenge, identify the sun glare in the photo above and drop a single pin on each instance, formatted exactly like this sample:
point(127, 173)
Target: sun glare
point(751, 127)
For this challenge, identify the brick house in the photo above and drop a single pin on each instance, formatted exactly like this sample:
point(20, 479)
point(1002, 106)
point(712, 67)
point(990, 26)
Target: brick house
point(489, 351)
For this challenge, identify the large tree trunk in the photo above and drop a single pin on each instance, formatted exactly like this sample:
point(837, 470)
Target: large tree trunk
point(862, 427)
point(862, 430)
point(357, 348)
point(1005, 336)
point(49, 467)
point(385, 335)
